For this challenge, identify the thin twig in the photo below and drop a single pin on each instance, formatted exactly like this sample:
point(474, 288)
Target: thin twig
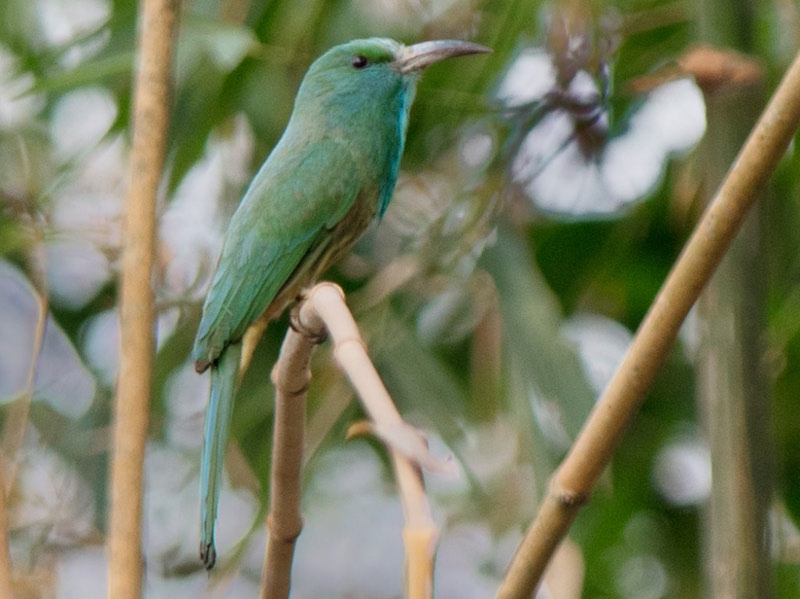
point(14, 429)
point(6, 586)
point(159, 20)
point(16, 422)
point(420, 534)
point(17, 415)
point(603, 430)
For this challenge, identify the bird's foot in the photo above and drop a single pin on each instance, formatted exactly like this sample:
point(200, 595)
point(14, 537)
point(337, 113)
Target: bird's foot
point(208, 554)
point(316, 337)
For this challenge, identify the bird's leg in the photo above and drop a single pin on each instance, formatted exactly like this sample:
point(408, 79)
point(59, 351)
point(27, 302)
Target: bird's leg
point(250, 341)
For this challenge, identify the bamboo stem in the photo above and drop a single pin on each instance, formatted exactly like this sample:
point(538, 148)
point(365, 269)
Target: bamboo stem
point(291, 377)
point(324, 309)
point(159, 20)
point(603, 430)
point(420, 534)
point(732, 391)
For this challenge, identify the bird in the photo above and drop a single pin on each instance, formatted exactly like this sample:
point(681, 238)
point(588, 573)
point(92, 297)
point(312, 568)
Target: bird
point(332, 172)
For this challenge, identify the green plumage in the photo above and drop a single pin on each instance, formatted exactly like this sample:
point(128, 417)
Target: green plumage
point(333, 170)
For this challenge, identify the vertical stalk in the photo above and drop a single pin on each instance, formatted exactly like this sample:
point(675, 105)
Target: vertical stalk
point(6, 587)
point(137, 313)
point(732, 390)
point(17, 416)
point(291, 377)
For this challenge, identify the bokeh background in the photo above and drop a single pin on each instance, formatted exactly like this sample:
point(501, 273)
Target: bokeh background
point(545, 191)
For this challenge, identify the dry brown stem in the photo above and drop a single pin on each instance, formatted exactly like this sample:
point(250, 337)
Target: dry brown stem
point(6, 588)
point(16, 421)
point(593, 448)
point(291, 377)
point(159, 20)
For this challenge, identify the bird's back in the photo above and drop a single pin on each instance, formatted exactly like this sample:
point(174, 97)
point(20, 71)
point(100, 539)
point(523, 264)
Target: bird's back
point(307, 205)
point(333, 170)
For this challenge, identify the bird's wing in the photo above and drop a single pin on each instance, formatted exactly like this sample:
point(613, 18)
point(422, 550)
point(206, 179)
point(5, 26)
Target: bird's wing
point(297, 197)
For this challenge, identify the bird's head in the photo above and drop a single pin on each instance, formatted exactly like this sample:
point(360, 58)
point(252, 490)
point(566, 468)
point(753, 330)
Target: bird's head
point(372, 72)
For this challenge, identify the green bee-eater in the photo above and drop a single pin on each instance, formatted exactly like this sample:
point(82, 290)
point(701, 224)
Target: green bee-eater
point(333, 171)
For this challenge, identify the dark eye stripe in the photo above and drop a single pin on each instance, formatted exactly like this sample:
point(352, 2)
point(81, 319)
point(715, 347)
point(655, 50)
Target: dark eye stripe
point(359, 62)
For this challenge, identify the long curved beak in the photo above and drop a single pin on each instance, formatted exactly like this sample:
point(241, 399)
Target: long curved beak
point(417, 57)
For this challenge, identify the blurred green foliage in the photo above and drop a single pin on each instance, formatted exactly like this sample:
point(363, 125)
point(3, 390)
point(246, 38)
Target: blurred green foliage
point(452, 224)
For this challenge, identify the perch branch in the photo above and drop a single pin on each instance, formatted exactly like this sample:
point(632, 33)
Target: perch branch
point(324, 309)
point(593, 448)
point(407, 449)
point(137, 312)
point(291, 377)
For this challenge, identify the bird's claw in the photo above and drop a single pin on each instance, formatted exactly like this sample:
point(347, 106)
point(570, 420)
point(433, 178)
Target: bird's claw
point(208, 554)
point(316, 337)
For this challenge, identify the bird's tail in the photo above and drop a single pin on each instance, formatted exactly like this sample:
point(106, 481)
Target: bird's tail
point(224, 378)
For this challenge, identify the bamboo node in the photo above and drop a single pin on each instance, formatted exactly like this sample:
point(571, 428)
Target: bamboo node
point(341, 342)
point(283, 536)
point(281, 388)
point(567, 498)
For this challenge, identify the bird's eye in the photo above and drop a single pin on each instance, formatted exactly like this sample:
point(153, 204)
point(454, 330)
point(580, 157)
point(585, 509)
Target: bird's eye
point(359, 62)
